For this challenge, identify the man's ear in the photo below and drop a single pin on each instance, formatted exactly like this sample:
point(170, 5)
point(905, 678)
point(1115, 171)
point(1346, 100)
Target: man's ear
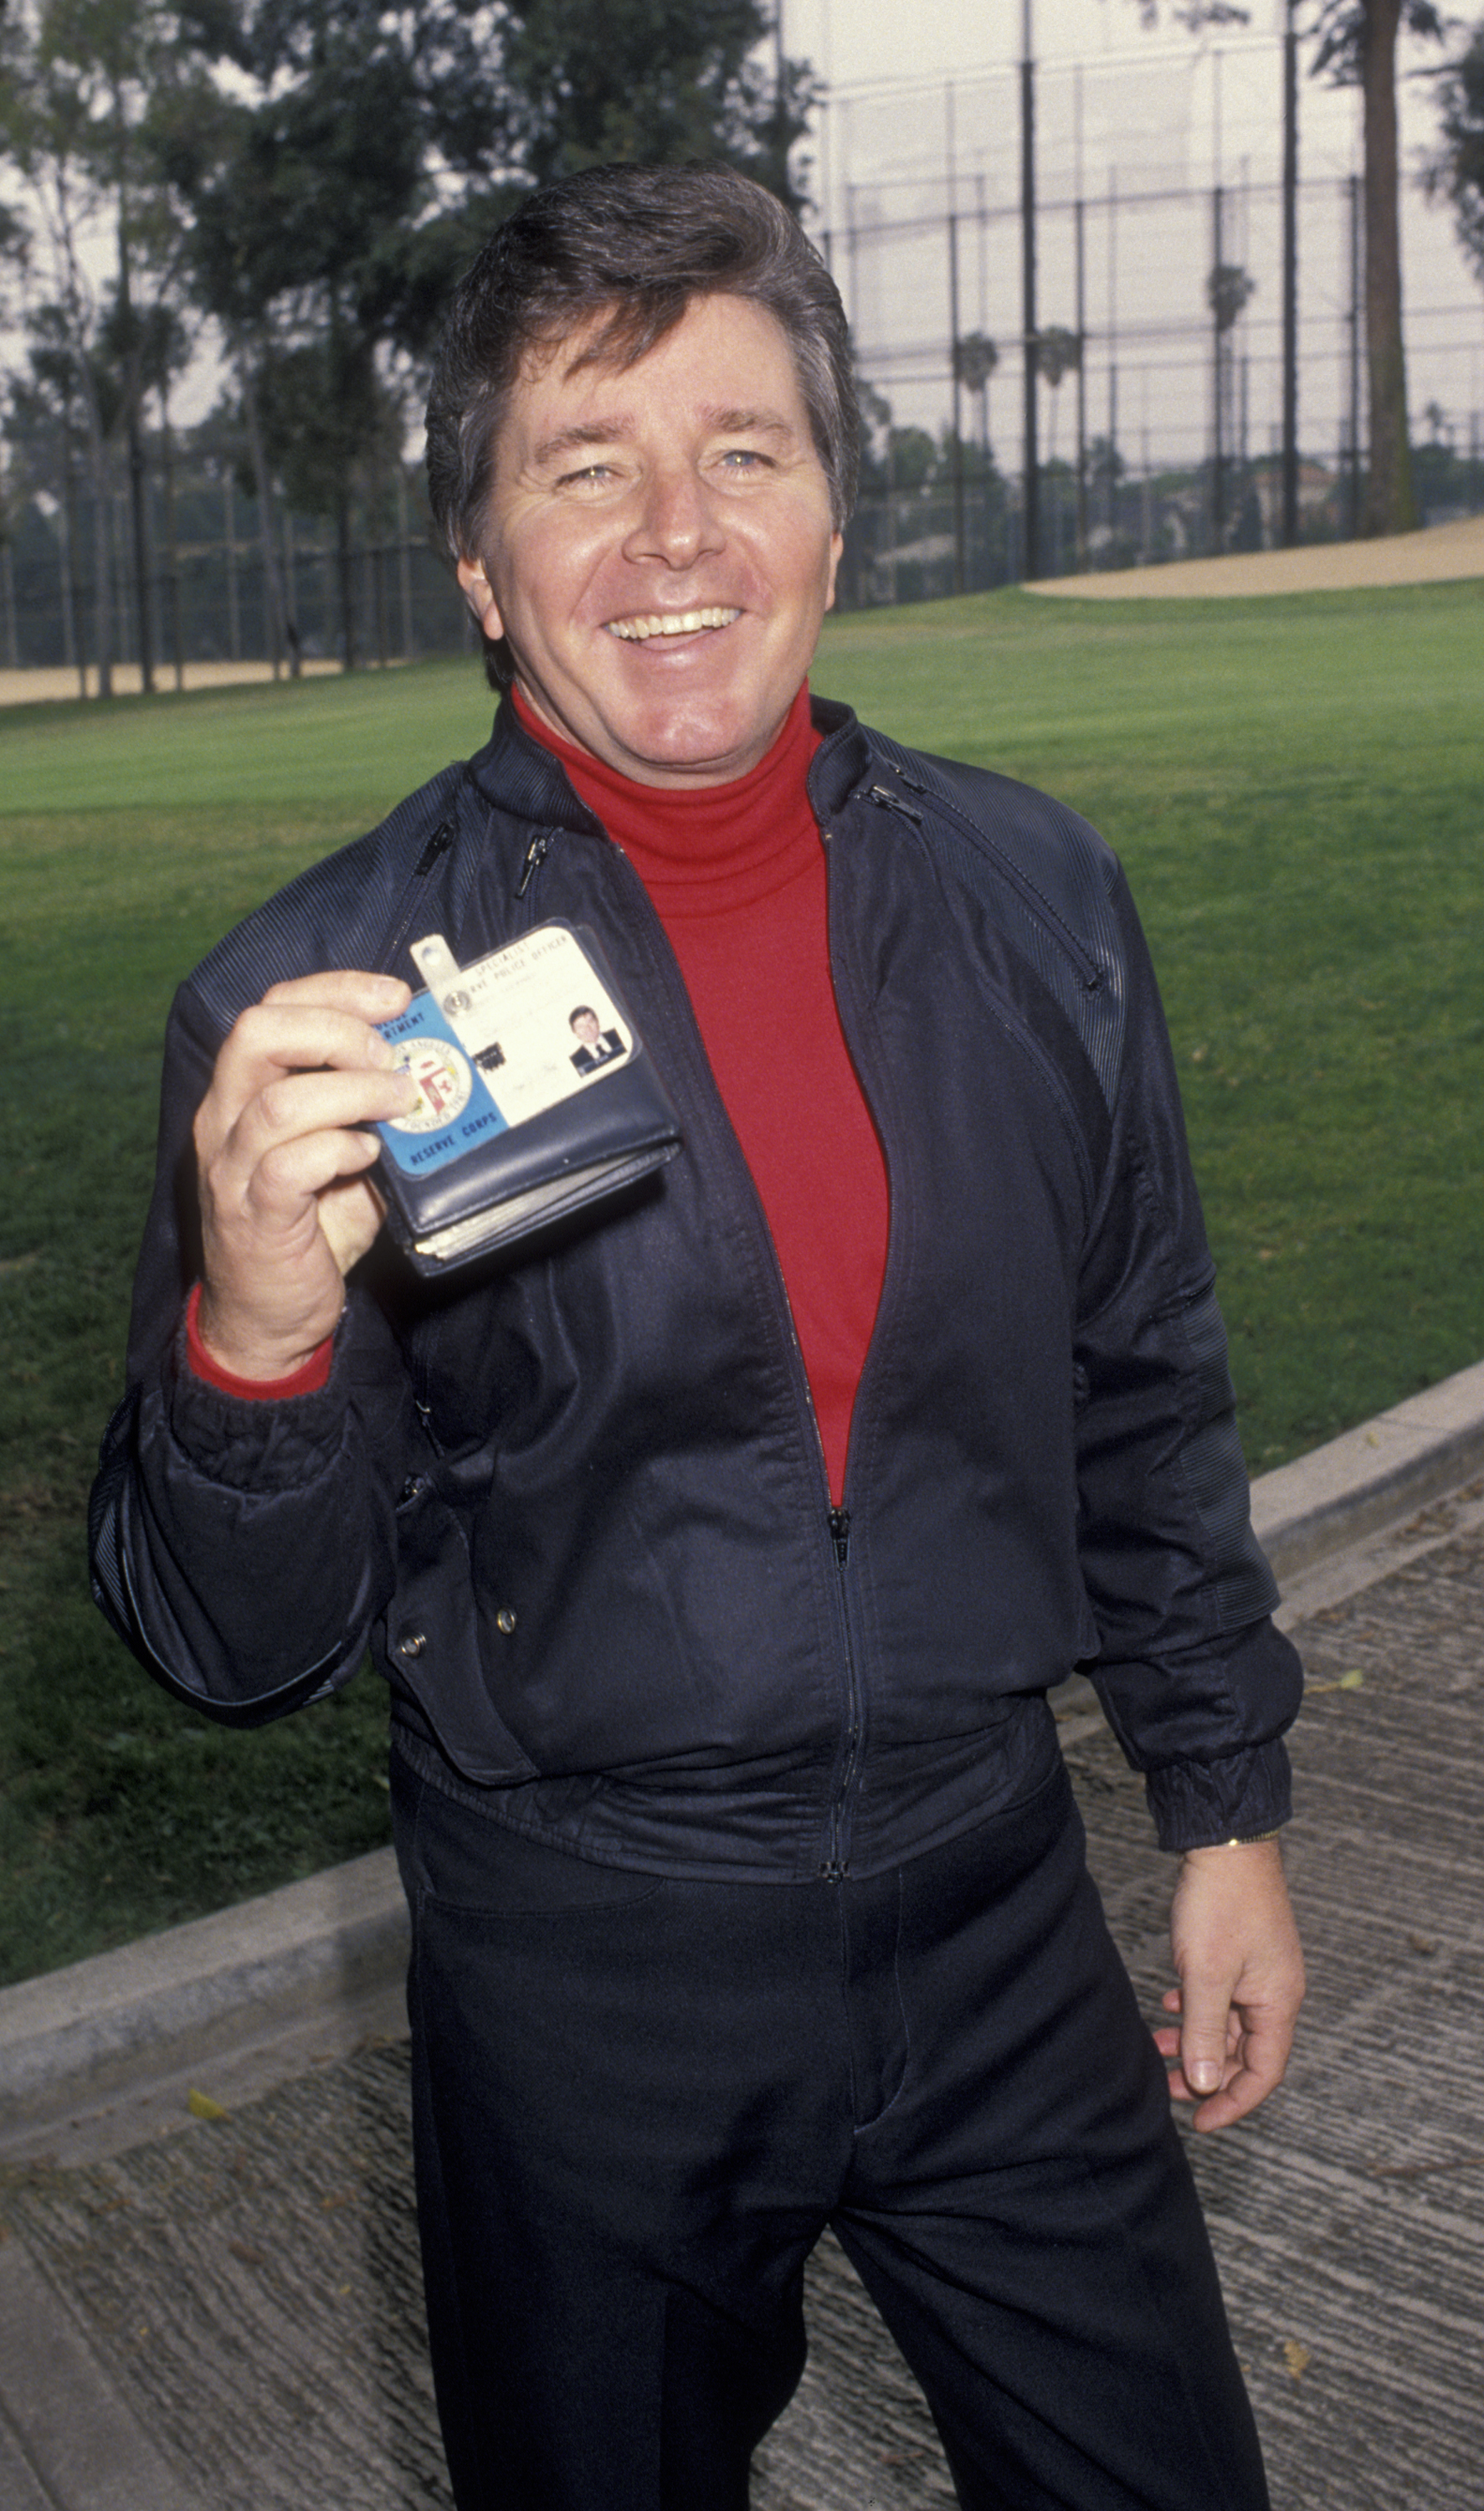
point(837, 553)
point(474, 584)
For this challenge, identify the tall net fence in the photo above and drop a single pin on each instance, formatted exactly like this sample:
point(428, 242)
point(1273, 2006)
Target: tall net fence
point(219, 588)
point(1159, 337)
point(1157, 350)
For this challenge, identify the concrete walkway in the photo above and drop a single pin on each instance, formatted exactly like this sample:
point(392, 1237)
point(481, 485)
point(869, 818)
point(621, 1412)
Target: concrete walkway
point(224, 2311)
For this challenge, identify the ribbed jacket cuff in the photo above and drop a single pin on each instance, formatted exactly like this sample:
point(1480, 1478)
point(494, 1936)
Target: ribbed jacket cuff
point(247, 1445)
point(1196, 1805)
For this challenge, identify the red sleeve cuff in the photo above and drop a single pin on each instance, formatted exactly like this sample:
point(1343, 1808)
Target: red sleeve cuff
point(305, 1380)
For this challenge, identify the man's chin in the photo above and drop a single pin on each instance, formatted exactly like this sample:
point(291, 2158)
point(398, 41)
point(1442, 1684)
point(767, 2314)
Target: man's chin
point(691, 741)
point(663, 737)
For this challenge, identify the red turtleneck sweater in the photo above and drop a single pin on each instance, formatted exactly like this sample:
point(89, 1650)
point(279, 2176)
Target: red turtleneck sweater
point(736, 874)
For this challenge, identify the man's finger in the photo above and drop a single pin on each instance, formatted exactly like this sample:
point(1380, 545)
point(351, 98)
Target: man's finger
point(1204, 2026)
point(364, 991)
point(271, 1039)
point(295, 1106)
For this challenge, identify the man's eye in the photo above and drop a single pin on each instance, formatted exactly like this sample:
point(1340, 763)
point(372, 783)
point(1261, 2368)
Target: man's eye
point(591, 475)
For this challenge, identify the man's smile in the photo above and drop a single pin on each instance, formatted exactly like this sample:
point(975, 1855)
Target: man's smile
point(671, 622)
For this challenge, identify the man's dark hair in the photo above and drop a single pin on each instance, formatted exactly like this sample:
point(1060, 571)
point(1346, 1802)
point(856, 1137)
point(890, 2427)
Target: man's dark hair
point(639, 244)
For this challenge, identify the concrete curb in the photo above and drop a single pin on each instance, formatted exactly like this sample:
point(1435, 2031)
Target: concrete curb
point(220, 1984)
point(202, 1991)
point(1371, 1477)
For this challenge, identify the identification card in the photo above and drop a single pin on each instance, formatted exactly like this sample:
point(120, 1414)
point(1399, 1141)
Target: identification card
point(498, 1042)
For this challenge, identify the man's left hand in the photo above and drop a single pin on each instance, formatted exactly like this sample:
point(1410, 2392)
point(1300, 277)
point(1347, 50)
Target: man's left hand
point(1242, 1980)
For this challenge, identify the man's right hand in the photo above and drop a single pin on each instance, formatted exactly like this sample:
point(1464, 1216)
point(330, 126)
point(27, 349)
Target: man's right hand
point(286, 1206)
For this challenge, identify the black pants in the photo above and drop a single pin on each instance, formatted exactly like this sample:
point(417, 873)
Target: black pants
point(639, 2103)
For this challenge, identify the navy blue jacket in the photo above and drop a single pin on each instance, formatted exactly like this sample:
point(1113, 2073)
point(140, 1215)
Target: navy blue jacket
point(578, 1506)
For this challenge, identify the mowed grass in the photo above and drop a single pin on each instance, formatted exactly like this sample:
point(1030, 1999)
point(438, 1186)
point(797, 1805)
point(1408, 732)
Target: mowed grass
point(1294, 786)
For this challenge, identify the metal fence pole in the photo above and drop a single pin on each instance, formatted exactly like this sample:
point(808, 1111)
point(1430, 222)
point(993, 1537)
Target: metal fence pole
point(1290, 457)
point(1031, 500)
point(1353, 325)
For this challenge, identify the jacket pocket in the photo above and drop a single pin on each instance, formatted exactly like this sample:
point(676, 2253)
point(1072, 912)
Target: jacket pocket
point(431, 1646)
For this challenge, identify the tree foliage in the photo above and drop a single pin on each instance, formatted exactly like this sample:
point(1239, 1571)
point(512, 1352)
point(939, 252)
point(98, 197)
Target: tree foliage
point(1230, 289)
point(1354, 44)
point(1346, 31)
point(82, 77)
point(1195, 14)
point(312, 177)
point(650, 81)
point(1457, 172)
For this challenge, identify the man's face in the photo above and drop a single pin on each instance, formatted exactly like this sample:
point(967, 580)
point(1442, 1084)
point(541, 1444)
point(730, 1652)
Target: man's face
point(585, 1024)
point(658, 551)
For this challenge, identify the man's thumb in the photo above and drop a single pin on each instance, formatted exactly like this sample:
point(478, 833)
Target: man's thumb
point(1202, 2039)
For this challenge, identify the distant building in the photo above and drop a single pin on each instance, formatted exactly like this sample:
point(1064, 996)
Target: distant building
point(1319, 492)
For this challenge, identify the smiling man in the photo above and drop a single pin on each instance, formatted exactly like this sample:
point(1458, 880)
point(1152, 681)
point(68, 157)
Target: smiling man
point(718, 1555)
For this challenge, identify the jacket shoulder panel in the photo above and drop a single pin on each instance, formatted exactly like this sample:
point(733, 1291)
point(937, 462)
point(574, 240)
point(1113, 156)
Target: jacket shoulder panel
point(1048, 877)
point(357, 907)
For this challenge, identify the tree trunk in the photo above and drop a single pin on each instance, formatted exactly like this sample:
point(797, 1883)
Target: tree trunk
point(103, 539)
point(292, 637)
point(347, 588)
point(172, 542)
point(273, 602)
point(74, 642)
point(1389, 503)
point(8, 585)
point(138, 466)
point(229, 542)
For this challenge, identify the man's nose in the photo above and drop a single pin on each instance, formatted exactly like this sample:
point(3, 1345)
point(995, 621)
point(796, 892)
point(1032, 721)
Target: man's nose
point(678, 522)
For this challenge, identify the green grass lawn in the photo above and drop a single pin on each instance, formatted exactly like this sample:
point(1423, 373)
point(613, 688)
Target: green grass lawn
point(1294, 786)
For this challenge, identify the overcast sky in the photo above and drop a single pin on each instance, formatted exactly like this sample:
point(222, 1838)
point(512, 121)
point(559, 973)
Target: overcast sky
point(1161, 109)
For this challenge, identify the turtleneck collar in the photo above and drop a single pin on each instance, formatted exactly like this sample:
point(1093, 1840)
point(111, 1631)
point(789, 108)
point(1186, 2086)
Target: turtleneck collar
point(713, 848)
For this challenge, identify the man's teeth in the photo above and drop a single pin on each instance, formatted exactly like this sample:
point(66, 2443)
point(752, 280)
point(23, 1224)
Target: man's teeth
point(671, 622)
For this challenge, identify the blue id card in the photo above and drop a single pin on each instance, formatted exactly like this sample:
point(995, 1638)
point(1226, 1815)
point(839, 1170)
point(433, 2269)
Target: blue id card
point(455, 1108)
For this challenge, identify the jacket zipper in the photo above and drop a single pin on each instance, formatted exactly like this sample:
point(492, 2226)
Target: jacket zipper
point(835, 1865)
point(1089, 973)
point(412, 893)
point(535, 856)
point(1088, 976)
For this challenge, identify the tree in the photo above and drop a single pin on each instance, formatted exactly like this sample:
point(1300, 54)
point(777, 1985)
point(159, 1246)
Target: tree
point(334, 203)
point(975, 359)
point(1457, 172)
point(330, 209)
point(48, 426)
point(1229, 290)
point(1355, 43)
point(1357, 46)
point(84, 79)
point(1196, 15)
point(592, 81)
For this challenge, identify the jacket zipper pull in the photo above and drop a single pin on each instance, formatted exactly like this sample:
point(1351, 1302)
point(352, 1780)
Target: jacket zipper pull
point(535, 856)
point(885, 800)
point(438, 844)
point(840, 1533)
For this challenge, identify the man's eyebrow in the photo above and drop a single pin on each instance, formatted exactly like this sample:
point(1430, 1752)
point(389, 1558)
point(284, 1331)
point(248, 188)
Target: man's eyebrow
point(614, 431)
point(750, 423)
point(571, 439)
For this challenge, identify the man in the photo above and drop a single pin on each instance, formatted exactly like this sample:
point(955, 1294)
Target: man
point(719, 1555)
point(595, 1045)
